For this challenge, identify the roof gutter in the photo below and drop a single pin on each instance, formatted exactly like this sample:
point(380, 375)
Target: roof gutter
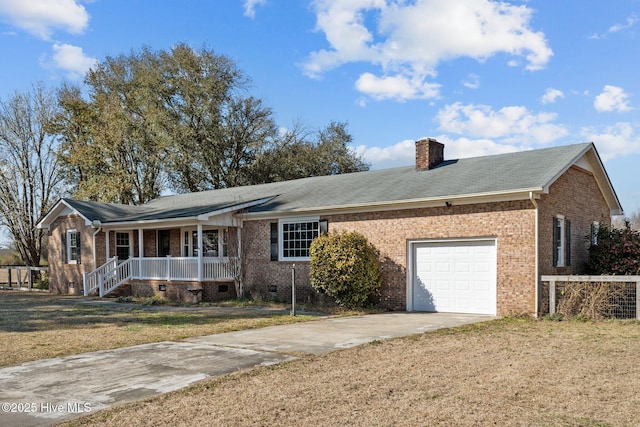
point(462, 199)
point(189, 219)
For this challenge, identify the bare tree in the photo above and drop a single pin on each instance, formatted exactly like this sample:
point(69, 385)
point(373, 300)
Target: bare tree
point(29, 173)
point(633, 219)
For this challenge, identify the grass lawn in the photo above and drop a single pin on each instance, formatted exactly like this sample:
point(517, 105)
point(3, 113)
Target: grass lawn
point(39, 326)
point(509, 372)
point(504, 372)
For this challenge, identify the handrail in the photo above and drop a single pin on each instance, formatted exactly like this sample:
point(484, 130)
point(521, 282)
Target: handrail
point(116, 276)
point(91, 280)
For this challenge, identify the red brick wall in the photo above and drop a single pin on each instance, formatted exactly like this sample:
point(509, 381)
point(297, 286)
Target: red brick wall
point(68, 278)
point(576, 196)
point(150, 244)
point(512, 223)
point(101, 249)
point(179, 291)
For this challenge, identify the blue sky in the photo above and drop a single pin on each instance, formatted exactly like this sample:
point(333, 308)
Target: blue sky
point(481, 76)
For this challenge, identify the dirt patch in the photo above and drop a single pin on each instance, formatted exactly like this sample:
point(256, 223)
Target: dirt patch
point(507, 372)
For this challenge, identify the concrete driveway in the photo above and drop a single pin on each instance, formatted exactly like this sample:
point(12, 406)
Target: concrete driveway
point(51, 391)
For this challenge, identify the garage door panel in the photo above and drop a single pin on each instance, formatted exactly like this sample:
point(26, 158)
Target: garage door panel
point(443, 267)
point(482, 267)
point(462, 250)
point(443, 286)
point(462, 285)
point(424, 267)
point(483, 285)
point(443, 250)
point(457, 277)
point(422, 296)
point(463, 267)
point(462, 303)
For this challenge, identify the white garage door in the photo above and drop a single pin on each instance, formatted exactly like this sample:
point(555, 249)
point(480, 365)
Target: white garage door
point(455, 277)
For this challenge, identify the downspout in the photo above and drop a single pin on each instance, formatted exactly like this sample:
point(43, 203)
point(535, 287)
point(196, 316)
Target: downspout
point(535, 205)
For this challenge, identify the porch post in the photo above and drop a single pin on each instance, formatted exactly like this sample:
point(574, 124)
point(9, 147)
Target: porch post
point(239, 238)
point(637, 300)
point(106, 242)
point(140, 244)
point(552, 296)
point(199, 252)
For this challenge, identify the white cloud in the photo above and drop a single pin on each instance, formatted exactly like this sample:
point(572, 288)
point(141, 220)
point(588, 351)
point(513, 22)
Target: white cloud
point(551, 95)
point(42, 17)
point(472, 81)
point(512, 124)
point(250, 7)
point(398, 87)
point(408, 40)
point(631, 21)
point(460, 148)
point(403, 153)
point(613, 98)
point(72, 59)
point(613, 141)
point(400, 154)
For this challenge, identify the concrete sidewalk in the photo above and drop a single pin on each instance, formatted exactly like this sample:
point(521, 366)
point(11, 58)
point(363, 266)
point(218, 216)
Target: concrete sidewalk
point(51, 391)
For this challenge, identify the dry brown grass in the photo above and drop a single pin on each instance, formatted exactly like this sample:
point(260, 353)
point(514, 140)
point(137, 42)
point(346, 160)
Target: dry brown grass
point(597, 301)
point(38, 325)
point(508, 372)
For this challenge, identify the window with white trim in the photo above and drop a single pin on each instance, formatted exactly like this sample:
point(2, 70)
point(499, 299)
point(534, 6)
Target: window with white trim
point(561, 241)
point(595, 229)
point(296, 236)
point(215, 243)
point(123, 245)
point(73, 247)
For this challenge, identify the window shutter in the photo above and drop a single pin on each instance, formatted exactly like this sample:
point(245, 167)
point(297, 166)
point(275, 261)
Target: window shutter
point(274, 241)
point(556, 240)
point(79, 248)
point(567, 242)
point(324, 226)
point(65, 258)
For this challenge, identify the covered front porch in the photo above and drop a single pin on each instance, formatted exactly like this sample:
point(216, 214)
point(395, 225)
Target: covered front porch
point(187, 255)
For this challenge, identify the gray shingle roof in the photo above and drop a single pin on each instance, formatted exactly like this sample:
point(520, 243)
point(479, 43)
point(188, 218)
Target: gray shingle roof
point(526, 170)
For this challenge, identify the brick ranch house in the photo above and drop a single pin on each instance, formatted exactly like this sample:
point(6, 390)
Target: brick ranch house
point(469, 235)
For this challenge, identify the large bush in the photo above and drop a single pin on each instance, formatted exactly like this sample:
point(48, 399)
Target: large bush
point(617, 251)
point(345, 267)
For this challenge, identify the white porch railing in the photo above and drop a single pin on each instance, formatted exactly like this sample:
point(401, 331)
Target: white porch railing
point(112, 274)
point(92, 280)
point(115, 277)
point(181, 268)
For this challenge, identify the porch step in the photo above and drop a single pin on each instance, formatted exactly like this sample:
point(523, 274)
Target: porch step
point(123, 290)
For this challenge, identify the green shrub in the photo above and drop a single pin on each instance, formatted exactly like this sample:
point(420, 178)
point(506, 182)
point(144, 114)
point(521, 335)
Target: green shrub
point(345, 267)
point(617, 251)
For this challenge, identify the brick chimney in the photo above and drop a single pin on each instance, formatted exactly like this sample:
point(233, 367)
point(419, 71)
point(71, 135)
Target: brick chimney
point(429, 154)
